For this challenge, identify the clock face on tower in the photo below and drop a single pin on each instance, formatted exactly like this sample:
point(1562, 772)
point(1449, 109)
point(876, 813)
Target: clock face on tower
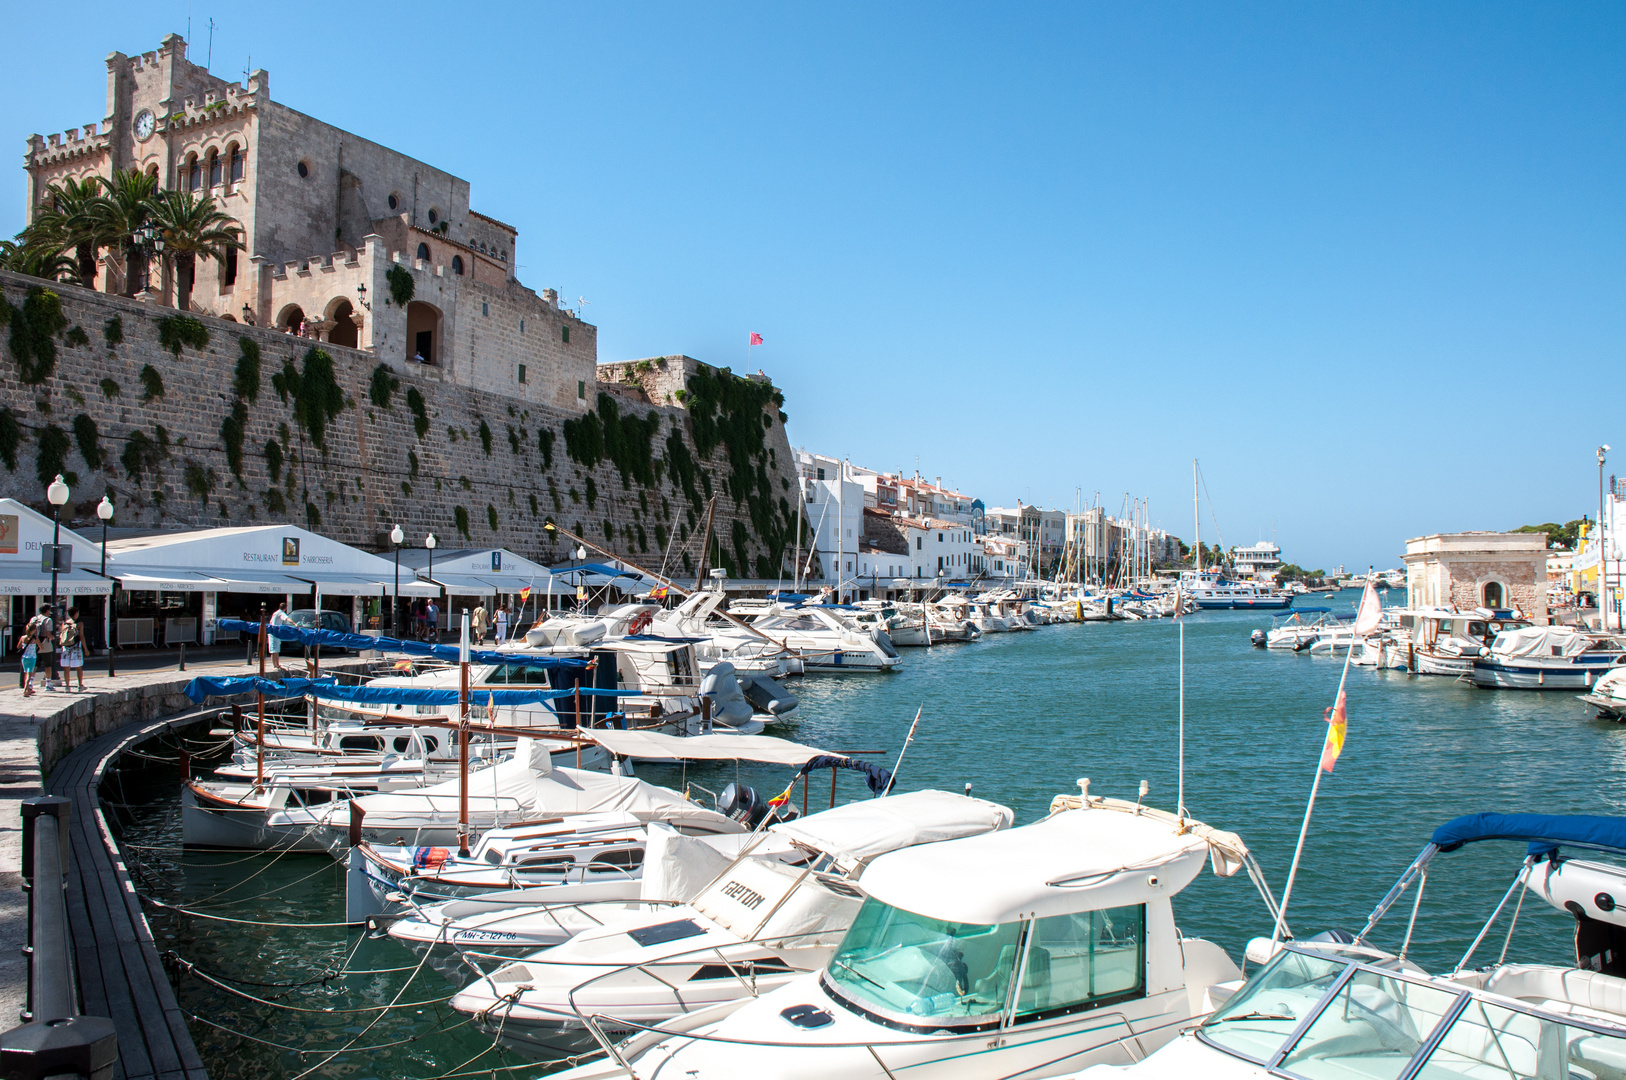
point(145, 123)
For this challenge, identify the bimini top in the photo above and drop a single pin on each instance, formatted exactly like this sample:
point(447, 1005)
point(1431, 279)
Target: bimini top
point(1545, 832)
point(1102, 855)
point(857, 832)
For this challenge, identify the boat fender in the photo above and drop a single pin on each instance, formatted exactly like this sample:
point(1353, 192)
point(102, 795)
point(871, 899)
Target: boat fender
point(1584, 889)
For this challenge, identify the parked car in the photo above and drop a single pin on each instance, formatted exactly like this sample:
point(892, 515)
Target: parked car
point(305, 619)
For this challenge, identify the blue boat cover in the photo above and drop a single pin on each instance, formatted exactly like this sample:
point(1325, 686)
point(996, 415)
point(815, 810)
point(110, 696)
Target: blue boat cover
point(1545, 832)
point(877, 777)
point(595, 568)
point(204, 687)
point(361, 642)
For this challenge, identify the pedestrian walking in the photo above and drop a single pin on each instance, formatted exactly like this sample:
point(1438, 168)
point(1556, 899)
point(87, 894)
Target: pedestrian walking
point(479, 620)
point(45, 640)
point(433, 614)
point(273, 644)
point(72, 653)
point(30, 649)
point(502, 624)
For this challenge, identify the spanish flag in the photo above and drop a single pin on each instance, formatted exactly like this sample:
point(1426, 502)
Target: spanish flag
point(403, 665)
point(525, 594)
point(1337, 726)
point(658, 594)
point(783, 797)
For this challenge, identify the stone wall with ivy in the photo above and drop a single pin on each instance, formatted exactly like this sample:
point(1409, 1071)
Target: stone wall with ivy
point(191, 422)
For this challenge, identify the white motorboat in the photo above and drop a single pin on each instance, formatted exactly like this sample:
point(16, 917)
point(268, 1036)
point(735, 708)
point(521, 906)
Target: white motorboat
point(1298, 631)
point(1026, 952)
point(1547, 658)
point(1608, 695)
point(765, 918)
point(1328, 1010)
point(819, 637)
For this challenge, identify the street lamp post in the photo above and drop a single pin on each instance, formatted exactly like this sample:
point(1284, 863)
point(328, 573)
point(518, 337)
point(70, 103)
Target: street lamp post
point(430, 542)
point(396, 536)
point(57, 494)
point(104, 510)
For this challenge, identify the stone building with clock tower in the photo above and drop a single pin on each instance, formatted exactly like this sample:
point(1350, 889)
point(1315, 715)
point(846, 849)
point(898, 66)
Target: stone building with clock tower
point(327, 217)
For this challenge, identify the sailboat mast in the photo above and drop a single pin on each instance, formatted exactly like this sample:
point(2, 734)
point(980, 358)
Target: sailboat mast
point(1196, 517)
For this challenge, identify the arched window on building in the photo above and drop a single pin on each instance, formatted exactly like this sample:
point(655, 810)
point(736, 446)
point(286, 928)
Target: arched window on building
point(215, 176)
point(194, 173)
point(1494, 595)
point(423, 252)
point(236, 153)
point(457, 265)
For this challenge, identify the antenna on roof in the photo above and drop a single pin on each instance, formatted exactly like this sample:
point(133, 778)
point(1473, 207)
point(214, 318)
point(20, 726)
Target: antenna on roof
point(581, 302)
point(209, 58)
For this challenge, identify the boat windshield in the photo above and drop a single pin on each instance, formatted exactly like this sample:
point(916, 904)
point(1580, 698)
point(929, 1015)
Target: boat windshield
point(1327, 1018)
point(908, 966)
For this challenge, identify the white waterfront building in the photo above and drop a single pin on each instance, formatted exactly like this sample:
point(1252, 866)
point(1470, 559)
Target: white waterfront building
point(1260, 561)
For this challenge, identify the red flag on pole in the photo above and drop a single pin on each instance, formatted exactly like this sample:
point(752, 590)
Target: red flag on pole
point(756, 338)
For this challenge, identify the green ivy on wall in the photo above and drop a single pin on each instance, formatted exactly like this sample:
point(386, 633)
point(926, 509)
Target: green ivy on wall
point(143, 455)
point(76, 337)
point(591, 491)
point(34, 327)
point(110, 389)
point(382, 385)
point(400, 281)
point(420, 413)
point(113, 331)
point(89, 441)
point(182, 331)
point(245, 381)
point(11, 437)
point(491, 516)
point(544, 443)
point(485, 437)
point(460, 516)
point(315, 393)
point(233, 429)
point(52, 457)
point(152, 384)
point(273, 460)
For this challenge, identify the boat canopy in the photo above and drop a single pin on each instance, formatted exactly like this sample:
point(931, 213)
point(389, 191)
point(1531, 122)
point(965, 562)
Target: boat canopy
point(860, 831)
point(1077, 860)
point(1545, 832)
point(658, 746)
point(1540, 641)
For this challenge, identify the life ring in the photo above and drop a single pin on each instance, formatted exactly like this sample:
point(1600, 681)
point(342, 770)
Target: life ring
point(640, 622)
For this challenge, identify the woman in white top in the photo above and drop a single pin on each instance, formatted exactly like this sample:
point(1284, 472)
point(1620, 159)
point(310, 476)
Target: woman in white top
point(502, 624)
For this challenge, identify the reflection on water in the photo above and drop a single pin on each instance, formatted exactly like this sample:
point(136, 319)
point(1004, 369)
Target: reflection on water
point(1020, 717)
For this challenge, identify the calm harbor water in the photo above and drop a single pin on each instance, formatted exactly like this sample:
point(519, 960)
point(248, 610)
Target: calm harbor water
point(1020, 717)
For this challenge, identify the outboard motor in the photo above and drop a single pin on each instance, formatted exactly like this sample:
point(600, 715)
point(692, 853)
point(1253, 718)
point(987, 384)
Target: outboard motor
point(1258, 639)
point(742, 803)
point(728, 704)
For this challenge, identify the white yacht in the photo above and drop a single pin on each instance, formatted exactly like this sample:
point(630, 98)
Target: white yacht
point(1025, 952)
point(1323, 1009)
point(777, 910)
point(819, 637)
point(1208, 590)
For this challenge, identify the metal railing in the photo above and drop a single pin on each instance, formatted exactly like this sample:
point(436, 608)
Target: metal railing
point(55, 1039)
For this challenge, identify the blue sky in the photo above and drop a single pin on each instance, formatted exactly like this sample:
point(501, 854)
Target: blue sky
point(1365, 262)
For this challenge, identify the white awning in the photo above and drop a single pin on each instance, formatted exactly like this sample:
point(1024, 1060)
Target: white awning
point(25, 579)
point(466, 585)
point(339, 584)
point(491, 584)
point(652, 744)
point(161, 579)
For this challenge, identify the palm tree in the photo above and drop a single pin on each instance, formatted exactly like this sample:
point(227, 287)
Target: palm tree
point(191, 227)
point(69, 219)
point(25, 255)
point(120, 213)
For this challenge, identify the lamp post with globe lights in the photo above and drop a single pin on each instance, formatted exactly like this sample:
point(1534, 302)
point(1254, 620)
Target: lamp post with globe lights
point(104, 511)
point(396, 536)
point(429, 543)
point(57, 495)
